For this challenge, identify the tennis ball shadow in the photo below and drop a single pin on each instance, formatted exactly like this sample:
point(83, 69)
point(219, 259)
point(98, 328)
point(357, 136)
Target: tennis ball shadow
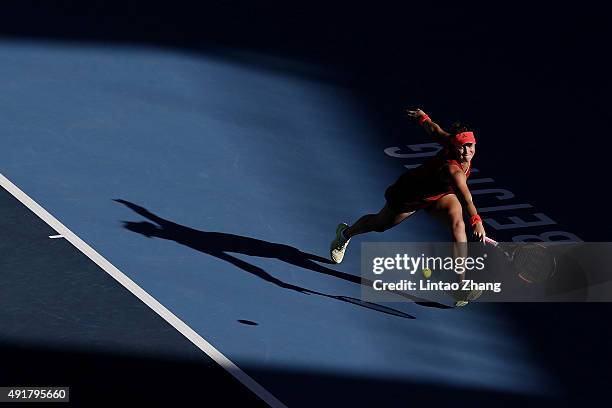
point(247, 322)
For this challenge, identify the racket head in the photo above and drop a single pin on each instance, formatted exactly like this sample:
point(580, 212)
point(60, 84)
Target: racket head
point(533, 262)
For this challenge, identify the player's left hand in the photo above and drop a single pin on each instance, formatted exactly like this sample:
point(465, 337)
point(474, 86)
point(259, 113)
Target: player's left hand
point(414, 115)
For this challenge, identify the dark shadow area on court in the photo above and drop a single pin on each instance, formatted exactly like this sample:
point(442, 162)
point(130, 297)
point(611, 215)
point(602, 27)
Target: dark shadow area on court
point(562, 336)
point(572, 340)
point(108, 378)
point(220, 244)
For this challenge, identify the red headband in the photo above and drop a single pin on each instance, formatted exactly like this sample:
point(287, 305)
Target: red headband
point(463, 138)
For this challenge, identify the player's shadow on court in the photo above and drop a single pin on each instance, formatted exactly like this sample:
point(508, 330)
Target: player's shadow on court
point(220, 244)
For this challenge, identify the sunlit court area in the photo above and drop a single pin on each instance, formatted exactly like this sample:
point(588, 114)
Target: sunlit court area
point(173, 174)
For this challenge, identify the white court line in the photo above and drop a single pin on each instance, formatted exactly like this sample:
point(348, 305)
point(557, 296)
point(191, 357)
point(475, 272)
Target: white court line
point(56, 236)
point(141, 294)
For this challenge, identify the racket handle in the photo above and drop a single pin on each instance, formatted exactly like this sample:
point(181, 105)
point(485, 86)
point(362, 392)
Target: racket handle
point(491, 241)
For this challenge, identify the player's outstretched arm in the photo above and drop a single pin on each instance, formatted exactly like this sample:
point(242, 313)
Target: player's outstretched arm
point(144, 212)
point(432, 128)
point(459, 183)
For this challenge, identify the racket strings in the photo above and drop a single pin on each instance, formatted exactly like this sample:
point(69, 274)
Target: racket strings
point(533, 263)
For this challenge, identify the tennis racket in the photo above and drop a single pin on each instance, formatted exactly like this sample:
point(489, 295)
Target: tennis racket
point(532, 261)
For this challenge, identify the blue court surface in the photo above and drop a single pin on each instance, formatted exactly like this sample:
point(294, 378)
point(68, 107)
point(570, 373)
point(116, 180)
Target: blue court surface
point(213, 180)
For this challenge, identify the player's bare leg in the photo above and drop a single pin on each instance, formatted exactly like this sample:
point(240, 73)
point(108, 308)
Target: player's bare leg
point(380, 222)
point(386, 218)
point(450, 209)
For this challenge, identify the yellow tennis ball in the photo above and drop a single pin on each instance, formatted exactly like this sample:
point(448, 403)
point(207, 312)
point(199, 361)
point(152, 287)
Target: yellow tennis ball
point(427, 273)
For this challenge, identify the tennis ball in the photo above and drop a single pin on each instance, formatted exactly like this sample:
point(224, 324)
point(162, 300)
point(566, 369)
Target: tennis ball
point(427, 273)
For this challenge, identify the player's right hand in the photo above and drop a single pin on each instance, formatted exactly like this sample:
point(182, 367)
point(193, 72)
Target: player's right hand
point(479, 232)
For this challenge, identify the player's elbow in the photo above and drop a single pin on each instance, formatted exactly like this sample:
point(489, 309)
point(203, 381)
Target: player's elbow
point(467, 203)
point(467, 199)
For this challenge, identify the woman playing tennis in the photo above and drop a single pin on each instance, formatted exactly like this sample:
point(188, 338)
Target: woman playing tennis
point(439, 184)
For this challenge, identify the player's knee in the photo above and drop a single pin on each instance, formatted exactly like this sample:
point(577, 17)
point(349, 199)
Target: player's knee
point(457, 224)
point(380, 228)
point(381, 224)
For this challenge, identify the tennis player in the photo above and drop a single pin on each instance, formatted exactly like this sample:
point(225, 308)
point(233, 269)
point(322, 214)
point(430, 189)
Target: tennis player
point(438, 185)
